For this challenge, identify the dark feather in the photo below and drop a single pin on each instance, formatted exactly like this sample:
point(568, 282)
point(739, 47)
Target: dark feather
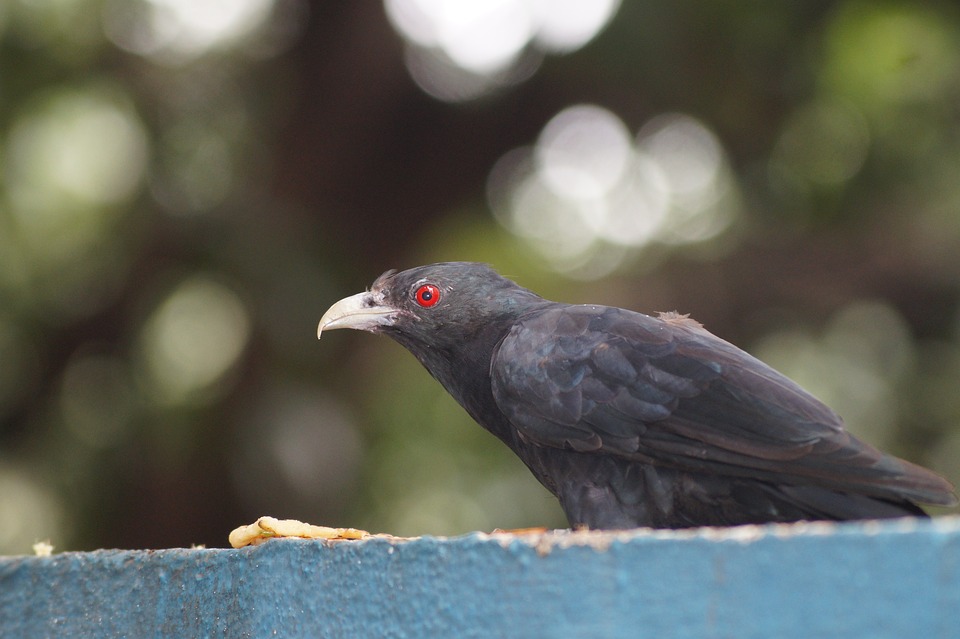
point(672, 393)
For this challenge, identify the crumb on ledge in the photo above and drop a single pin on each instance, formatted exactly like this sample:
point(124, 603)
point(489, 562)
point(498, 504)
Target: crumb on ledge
point(270, 528)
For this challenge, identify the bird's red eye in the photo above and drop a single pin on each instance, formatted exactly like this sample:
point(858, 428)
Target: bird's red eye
point(427, 295)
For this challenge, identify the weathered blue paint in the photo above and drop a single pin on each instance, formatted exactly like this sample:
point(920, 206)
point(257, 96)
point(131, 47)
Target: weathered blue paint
point(895, 579)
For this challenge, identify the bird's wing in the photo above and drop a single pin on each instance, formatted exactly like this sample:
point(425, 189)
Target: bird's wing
point(607, 380)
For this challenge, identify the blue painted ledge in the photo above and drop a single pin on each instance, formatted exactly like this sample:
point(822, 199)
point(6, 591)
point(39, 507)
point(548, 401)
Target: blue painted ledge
point(873, 580)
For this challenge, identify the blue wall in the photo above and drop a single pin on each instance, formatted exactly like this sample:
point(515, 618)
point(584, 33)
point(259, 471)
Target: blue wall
point(896, 579)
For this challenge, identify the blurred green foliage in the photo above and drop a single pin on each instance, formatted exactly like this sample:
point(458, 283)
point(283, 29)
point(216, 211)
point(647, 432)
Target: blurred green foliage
point(184, 191)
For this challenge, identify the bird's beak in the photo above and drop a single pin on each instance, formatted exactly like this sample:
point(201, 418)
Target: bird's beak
point(363, 312)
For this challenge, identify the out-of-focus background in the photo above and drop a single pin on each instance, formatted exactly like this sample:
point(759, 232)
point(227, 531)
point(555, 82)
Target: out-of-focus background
point(186, 185)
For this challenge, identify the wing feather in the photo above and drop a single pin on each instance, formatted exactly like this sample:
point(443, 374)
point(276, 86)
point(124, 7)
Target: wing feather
point(603, 379)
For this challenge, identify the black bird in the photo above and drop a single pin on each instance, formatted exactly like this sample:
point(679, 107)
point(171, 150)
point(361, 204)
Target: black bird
point(632, 420)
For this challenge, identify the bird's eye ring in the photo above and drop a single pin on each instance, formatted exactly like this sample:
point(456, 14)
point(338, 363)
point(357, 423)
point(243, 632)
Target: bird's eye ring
point(427, 295)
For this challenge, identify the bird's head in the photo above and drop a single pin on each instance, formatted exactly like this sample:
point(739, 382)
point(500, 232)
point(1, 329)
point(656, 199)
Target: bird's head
point(445, 314)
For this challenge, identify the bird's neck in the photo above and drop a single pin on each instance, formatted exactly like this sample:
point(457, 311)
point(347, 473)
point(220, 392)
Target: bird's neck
point(463, 366)
point(464, 371)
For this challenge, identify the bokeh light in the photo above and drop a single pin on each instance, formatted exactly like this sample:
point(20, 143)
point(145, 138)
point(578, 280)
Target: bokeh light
point(460, 50)
point(583, 152)
point(482, 37)
point(177, 31)
point(566, 25)
point(73, 160)
point(587, 195)
point(85, 145)
point(192, 340)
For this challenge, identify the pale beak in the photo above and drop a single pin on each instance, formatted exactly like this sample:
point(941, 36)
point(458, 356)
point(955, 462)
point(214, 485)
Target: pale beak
point(363, 312)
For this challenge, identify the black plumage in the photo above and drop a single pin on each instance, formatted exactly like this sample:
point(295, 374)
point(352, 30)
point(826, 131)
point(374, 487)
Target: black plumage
point(632, 420)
